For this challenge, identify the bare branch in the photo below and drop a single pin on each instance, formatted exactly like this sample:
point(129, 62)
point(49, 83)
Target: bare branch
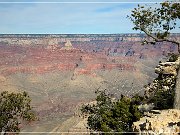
point(160, 40)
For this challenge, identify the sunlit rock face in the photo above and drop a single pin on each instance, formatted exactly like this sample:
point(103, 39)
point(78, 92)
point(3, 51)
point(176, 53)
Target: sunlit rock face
point(67, 46)
point(159, 122)
point(167, 76)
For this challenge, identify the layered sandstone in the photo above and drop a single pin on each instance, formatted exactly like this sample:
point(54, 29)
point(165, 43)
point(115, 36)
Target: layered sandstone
point(167, 72)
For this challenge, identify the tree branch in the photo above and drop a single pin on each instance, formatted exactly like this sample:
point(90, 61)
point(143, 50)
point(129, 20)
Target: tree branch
point(160, 40)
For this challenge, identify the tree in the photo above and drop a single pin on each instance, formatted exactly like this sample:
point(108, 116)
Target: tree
point(112, 115)
point(14, 107)
point(157, 22)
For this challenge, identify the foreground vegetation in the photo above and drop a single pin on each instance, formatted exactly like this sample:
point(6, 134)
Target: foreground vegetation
point(14, 109)
point(112, 115)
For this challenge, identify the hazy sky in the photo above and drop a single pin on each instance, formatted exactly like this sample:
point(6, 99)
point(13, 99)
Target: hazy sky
point(67, 16)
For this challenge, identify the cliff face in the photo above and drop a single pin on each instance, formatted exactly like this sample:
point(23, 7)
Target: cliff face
point(42, 60)
point(162, 121)
point(166, 81)
point(49, 39)
point(110, 44)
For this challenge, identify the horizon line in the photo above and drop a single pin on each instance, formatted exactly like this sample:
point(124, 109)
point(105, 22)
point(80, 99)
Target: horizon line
point(69, 33)
point(77, 2)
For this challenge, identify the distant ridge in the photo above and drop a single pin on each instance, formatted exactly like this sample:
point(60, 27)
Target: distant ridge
point(75, 35)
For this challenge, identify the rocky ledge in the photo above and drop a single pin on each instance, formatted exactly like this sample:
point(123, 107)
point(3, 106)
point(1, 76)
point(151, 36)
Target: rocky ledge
point(159, 122)
point(167, 73)
point(168, 67)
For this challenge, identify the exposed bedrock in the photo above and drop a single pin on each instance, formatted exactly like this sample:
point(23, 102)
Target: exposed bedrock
point(159, 122)
point(166, 80)
point(162, 121)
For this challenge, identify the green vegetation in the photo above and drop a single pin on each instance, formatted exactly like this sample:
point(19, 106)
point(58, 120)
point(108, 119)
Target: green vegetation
point(173, 57)
point(112, 115)
point(14, 108)
point(163, 99)
point(157, 22)
point(164, 92)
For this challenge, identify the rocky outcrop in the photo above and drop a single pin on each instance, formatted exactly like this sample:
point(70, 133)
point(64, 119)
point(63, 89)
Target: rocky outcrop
point(172, 68)
point(67, 46)
point(167, 73)
point(169, 68)
point(159, 122)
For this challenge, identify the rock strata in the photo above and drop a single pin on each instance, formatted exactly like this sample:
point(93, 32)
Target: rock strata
point(168, 67)
point(167, 73)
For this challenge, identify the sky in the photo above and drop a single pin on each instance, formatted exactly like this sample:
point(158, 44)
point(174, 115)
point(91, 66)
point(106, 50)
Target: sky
point(67, 16)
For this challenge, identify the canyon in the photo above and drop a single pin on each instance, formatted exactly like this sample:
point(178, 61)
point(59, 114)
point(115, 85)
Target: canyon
point(62, 71)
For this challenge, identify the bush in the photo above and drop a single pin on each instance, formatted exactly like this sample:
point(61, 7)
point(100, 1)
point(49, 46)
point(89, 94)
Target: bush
point(163, 99)
point(14, 107)
point(112, 115)
point(173, 57)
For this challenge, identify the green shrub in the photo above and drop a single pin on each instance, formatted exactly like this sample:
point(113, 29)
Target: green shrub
point(112, 115)
point(173, 57)
point(163, 99)
point(14, 107)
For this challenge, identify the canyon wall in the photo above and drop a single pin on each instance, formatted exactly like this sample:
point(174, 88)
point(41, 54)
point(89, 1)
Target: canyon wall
point(49, 39)
point(40, 53)
point(59, 76)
